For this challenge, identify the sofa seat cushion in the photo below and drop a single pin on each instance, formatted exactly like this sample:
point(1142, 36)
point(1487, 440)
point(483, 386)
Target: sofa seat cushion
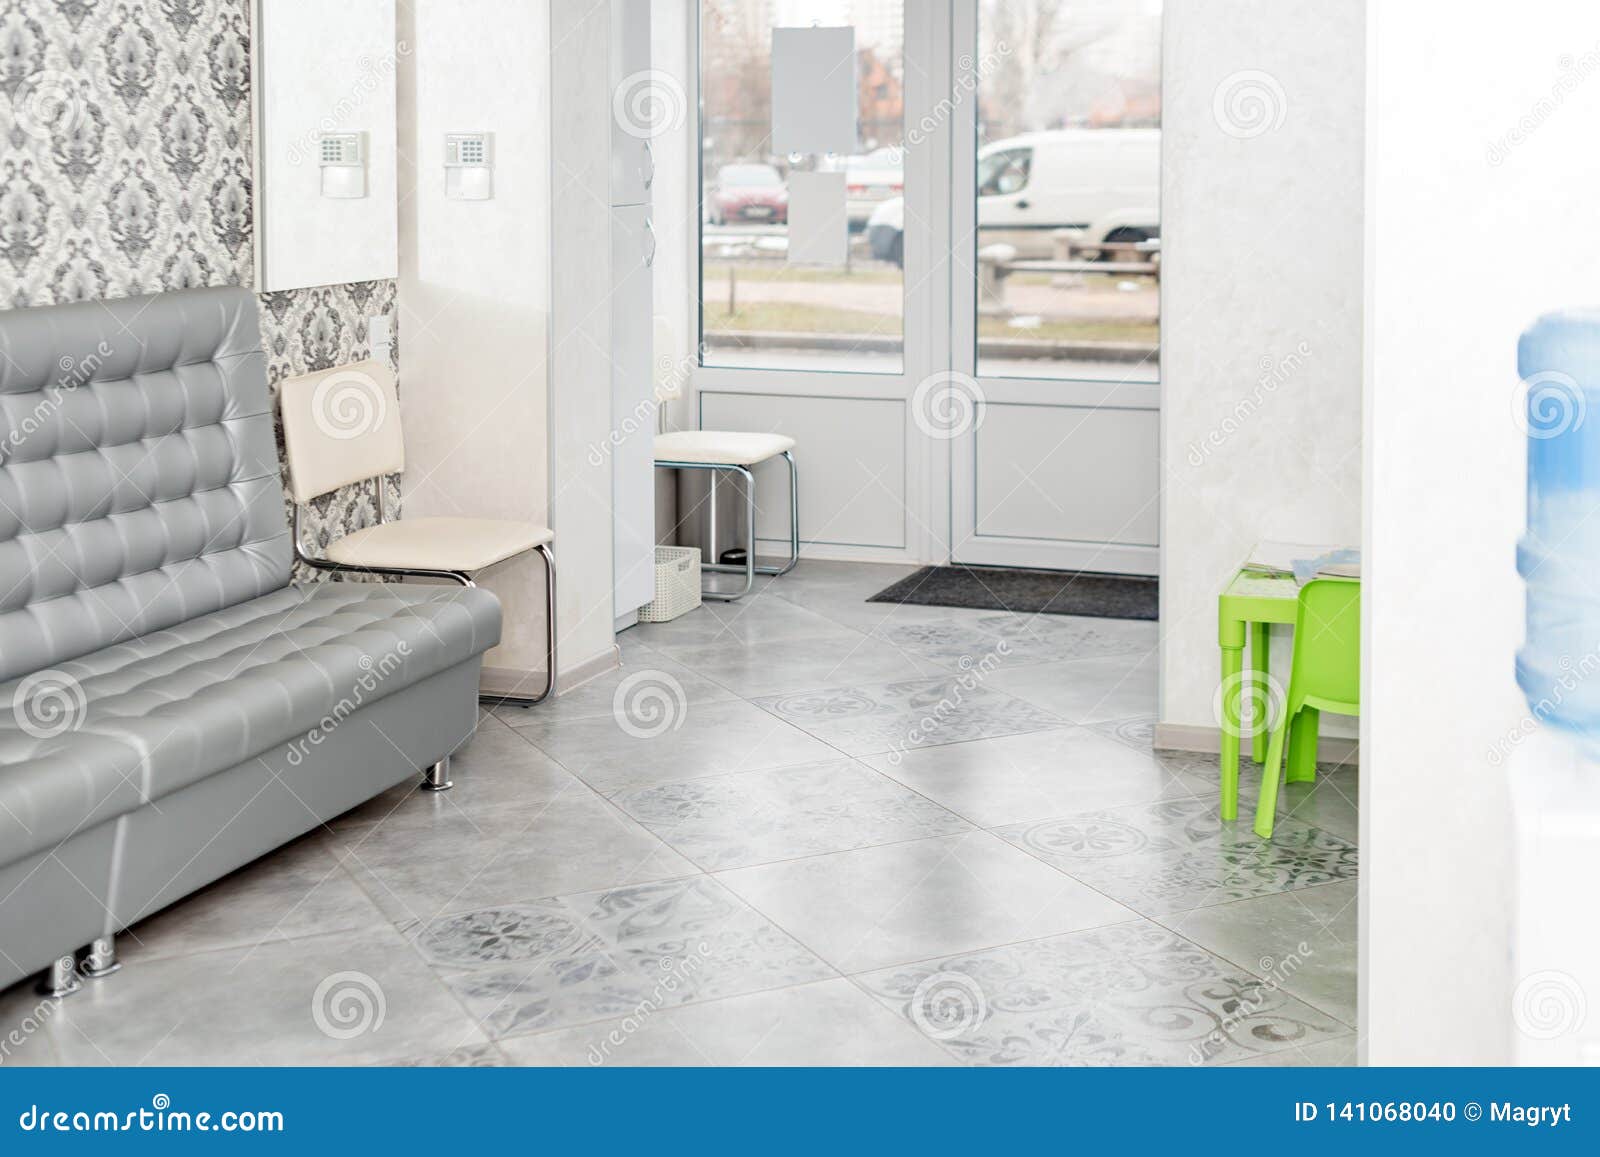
point(170, 708)
point(55, 786)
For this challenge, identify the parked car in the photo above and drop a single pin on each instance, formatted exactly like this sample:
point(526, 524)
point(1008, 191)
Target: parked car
point(870, 180)
point(1105, 183)
point(749, 192)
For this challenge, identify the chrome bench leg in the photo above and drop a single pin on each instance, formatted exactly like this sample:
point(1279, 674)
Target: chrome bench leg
point(61, 978)
point(794, 523)
point(549, 642)
point(436, 777)
point(749, 568)
point(101, 958)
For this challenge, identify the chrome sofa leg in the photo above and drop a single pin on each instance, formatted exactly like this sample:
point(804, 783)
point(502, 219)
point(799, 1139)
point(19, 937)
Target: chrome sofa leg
point(101, 958)
point(436, 777)
point(61, 978)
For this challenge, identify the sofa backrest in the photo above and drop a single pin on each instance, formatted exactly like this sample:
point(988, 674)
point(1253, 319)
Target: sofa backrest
point(139, 478)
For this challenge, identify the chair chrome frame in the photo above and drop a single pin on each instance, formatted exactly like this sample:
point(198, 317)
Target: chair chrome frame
point(455, 576)
point(749, 569)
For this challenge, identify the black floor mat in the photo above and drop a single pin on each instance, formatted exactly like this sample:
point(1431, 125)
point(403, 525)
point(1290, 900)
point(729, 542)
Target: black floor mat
point(1051, 592)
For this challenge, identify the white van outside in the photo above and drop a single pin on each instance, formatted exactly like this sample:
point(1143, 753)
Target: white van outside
point(1105, 183)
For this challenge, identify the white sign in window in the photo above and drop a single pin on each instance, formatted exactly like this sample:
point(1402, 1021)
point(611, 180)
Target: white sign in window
point(819, 227)
point(814, 90)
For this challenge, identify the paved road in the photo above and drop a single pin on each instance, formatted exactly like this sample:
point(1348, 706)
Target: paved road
point(842, 362)
point(1092, 302)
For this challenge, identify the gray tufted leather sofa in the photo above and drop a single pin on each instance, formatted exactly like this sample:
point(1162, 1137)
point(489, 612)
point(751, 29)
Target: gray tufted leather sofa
point(171, 706)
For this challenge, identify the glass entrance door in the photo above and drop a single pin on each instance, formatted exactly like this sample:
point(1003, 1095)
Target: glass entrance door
point(953, 302)
point(1056, 299)
point(823, 282)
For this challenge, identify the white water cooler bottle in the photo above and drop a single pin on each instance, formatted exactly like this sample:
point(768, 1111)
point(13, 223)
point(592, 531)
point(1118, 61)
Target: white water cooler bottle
point(1554, 772)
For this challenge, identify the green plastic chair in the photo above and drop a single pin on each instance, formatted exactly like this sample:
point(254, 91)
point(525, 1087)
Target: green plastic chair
point(1324, 675)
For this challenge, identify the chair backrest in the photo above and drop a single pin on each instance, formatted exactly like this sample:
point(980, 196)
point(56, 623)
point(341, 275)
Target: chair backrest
point(139, 478)
point(1327, 644)
point(340, 426)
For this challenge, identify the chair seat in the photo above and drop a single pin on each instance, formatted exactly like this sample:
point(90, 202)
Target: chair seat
point(464, 544)
point(720, 447)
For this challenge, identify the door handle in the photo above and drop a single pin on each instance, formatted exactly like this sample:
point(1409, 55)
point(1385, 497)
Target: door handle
point(1024, 204)
point(649, 175)
point(650, 258)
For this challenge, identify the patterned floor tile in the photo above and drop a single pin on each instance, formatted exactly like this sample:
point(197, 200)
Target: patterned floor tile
point(916, 713)
point(757, 817)
point(586, 958)
point(348, 998)
point(834, 659)
point(1306, 937)
point(1084, 690)
point(874, 907)
point(436, 906)
point(486, 1056)
point(1025, 638)
point(1132, 994)
point(1175, 855)
point(830, 1022)
point(462, 862)
point(1037, 776)
point(661, 739)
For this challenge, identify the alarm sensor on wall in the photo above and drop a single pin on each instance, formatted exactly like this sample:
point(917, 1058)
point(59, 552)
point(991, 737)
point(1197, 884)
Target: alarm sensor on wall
point(469, 166)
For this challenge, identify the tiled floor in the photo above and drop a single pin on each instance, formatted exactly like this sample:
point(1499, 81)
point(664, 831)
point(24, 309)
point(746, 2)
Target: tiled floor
point(797, 829)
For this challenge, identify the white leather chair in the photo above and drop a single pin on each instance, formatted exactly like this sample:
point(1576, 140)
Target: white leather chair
point(720, 452)
point(342, 426)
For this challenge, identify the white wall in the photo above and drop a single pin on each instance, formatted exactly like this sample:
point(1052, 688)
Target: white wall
point(675, 214)
point(474, 286)
point(580, 111)
point(1472, 235)
point(1261, 308)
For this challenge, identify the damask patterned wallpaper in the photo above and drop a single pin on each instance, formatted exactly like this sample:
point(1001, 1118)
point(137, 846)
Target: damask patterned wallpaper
point(125, 168)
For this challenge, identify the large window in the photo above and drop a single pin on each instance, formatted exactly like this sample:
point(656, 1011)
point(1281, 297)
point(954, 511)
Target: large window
point(1067, 236)
point(759, 308)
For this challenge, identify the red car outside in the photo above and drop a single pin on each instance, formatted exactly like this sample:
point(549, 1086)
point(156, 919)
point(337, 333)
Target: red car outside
point(749, 193)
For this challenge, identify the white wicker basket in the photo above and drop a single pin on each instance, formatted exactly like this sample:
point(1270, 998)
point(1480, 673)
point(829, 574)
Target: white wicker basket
point(677, 584)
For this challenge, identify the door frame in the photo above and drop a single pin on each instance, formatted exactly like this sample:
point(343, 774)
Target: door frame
point(939, 370)
point(928, 79)
point(968, 545)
